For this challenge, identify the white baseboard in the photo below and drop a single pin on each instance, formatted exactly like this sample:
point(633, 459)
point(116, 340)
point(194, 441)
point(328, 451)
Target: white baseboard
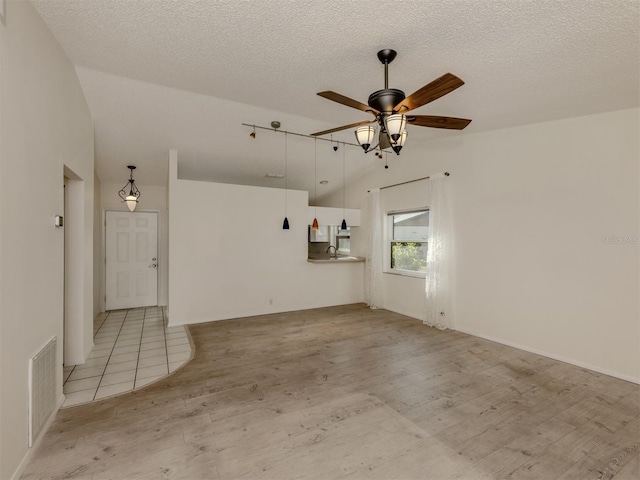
point(560, 358)
point(255, 312)
point(29, 455)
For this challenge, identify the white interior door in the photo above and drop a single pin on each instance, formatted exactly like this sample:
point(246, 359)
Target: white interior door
point(132, 259)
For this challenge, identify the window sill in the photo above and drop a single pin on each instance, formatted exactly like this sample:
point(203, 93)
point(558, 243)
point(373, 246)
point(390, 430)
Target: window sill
point(406, 273)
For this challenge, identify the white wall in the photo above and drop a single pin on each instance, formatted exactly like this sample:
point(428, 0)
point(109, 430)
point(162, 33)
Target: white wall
point(230, 257)
point(533, 205)
point(152, 199)
point(45, 126)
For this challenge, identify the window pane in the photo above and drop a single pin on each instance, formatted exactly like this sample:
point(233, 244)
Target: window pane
point(412, 226)
point(408, 234)
point(411, 256)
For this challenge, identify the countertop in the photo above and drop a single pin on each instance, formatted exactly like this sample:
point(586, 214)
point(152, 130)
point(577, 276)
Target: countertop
point(338, 259)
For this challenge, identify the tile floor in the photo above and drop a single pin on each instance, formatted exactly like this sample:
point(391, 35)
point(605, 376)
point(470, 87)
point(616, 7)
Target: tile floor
point(133, 348)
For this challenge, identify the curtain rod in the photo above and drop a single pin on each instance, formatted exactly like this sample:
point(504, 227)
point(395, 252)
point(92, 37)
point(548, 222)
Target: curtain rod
point(300, 135)
point(446, 174)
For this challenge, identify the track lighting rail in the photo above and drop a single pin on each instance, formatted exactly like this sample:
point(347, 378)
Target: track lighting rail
point(300, 135)
point(446, 174)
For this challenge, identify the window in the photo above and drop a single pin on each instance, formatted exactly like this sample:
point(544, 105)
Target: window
point(343, 241)
point(407, 242)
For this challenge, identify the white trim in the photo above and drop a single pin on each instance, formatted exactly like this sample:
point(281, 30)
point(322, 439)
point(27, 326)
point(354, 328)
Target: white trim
point(388, 239)
point(406, 273)
point(31, 451)
point(560, 358)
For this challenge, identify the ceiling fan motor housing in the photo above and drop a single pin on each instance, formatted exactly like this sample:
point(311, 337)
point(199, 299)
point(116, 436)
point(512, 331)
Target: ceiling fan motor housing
point(384, 100)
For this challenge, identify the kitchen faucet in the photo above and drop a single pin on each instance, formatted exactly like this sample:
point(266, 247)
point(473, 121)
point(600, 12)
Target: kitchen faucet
point(334, 254)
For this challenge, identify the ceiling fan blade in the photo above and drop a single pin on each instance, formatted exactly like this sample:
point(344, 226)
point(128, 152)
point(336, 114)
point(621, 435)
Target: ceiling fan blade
point(349, 102)
point(384, 140)
point(343, 127)
point(435, 121)
point(432, 91)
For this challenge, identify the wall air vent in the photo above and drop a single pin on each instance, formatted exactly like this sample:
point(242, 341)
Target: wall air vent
point(42, 388)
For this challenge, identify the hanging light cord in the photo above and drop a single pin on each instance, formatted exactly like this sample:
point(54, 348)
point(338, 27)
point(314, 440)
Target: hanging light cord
point(285, 174)
point(315, 176)
point(343, 183)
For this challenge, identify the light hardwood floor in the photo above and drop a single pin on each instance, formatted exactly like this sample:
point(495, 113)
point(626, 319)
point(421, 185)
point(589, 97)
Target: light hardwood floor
point(348, 392)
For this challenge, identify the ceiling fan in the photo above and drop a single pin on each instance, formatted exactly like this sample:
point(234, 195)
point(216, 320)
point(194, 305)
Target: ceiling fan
point(389, 107)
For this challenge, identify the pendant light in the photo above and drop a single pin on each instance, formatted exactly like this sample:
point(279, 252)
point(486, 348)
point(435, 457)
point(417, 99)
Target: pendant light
point(314, 225)
point(343, 225)
point(285, 224)
point(365, 136)
point(400, 143)
point(394, 125)
point(131, 198)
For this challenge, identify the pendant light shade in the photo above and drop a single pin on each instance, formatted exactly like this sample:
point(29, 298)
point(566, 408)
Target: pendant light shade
point(343, 225)
point(365, 136)
point(394, 124)
point(132, 202)
point(314, 225)
point(285, 224)
point(400, 143)
point(131, 198)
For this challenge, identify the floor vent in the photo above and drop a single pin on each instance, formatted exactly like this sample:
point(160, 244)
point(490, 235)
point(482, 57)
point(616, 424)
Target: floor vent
point(42, 388)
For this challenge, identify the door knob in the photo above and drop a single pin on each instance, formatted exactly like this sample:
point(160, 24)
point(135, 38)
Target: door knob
point(153, 265)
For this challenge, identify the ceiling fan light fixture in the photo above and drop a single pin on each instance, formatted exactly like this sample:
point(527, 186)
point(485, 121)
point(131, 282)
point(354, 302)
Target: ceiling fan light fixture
point(386, 105)
point(365, 136)
point(400, 143)
point(394, 125)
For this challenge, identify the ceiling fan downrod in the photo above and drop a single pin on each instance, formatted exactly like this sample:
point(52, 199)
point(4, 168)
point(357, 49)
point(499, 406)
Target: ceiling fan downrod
point(384, 100)
point(386, 56)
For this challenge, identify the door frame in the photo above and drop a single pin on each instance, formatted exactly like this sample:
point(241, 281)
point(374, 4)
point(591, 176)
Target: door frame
point(74, 324)
point(103, 253)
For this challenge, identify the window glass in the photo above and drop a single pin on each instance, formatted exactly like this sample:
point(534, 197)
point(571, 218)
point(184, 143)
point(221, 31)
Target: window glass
point(408, 233)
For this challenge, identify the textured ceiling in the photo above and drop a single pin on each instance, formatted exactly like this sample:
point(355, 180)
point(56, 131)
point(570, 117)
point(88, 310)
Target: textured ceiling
point(233, 61)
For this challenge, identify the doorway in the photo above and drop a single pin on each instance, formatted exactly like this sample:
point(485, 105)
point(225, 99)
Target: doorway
point(131, 263)
point(77, 334)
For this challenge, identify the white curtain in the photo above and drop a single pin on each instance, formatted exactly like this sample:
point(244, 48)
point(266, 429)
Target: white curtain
point(438, 287)
point(373, 272)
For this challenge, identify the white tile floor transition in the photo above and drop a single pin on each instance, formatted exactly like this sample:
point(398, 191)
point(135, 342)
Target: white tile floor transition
point(133, 348)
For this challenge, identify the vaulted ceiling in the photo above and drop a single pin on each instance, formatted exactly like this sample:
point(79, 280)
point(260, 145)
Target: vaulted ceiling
point(162, 74)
